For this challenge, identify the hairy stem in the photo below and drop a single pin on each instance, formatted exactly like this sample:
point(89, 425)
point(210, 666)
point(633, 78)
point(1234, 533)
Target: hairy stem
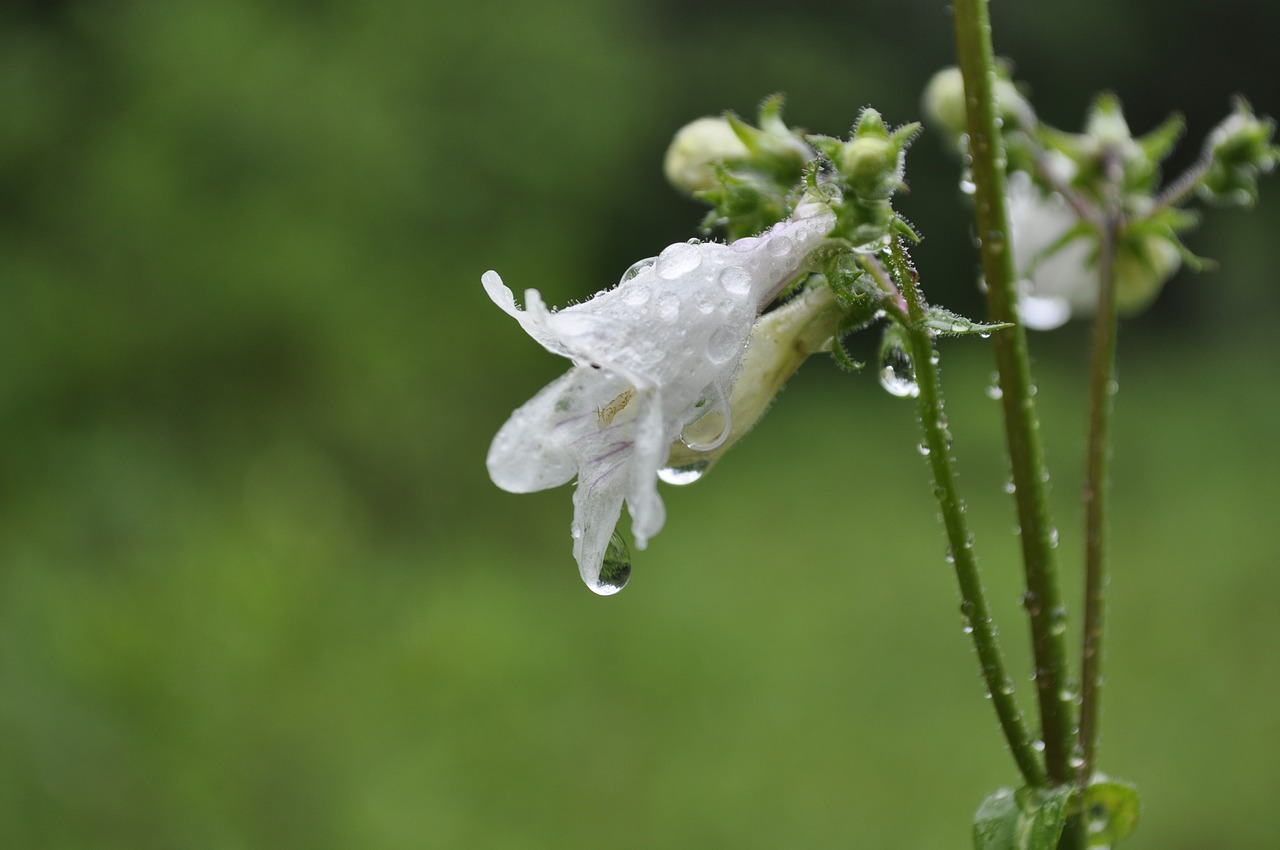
point(973, 598)
point(1026, 455)
point(1102, 385)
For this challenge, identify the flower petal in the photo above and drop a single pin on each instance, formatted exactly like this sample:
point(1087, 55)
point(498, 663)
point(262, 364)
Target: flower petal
point(538, 447)
point(534, 318)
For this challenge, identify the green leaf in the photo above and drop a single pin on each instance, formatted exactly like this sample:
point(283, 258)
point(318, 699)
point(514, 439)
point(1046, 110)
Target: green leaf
point(1026, 819)
point(1111, 812)
point(940, 320)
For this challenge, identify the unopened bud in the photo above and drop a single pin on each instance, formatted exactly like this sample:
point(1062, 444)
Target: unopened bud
point(696, 149)
point(868, 163)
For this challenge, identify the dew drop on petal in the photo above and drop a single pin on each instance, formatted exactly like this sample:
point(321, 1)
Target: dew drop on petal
point(747, 243)
point(615, 570)
point(668, 306)
point(635, 295)
point(722, 345)
point(682, 475)
point(676, 260)
point(636, 268)
point(780, 246)
point(735, 280)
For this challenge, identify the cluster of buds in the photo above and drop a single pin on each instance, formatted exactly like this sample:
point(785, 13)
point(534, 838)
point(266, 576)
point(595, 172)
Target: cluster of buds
point(750, 176)
point(1063, 187)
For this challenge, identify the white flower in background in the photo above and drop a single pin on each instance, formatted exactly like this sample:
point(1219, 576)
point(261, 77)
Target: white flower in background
point(1057, 286)
point(653, 355)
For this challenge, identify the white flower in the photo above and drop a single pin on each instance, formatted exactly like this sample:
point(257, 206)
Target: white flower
point(656, 353)
point(1056, 286)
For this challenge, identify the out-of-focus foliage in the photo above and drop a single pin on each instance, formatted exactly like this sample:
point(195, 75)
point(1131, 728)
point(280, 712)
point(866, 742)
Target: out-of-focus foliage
point(256, 591)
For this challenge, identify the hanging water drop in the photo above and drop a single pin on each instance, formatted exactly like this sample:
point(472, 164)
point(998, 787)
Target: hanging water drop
point(994, 391)
point(616, 568)
point(682, 475)
point(897, 374)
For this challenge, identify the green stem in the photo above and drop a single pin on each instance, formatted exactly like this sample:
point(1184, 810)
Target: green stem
point(1102, 376)
point(1179, 190)
point(1026, 455)
point(973, 598)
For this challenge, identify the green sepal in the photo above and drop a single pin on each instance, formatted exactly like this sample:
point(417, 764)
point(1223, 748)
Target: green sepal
point(904, 228)
point(1110, 811)
point(1160, 142)
point(841, 354)
point(942, 321)
point(1026, 819)
point(828, 146)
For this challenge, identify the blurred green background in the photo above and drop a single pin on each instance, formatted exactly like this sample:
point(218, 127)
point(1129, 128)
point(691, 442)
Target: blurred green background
point(256, 590)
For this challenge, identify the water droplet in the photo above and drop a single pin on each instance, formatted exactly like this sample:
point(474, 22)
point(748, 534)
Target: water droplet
point(923, 449)
point(735, 280)
point(682, 475)
point(711, 429)
point(1058, 620)
point(968, 186)
point(993, 388)
point(1007, 688)
point(676, 260)
point(746, 243)
point(636, 269)
point(897, 375)
point(722, 345)
point(668, 306)
point(616, 568)
point(704, 303)
point(1037, 745)
point(635, 295)
point(780, 246)
point(1010, 487)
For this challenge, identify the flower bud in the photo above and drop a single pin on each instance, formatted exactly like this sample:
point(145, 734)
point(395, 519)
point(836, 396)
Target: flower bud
point(696, 149)
point(943, 102)
point(868, 163)
point(1239, 149)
